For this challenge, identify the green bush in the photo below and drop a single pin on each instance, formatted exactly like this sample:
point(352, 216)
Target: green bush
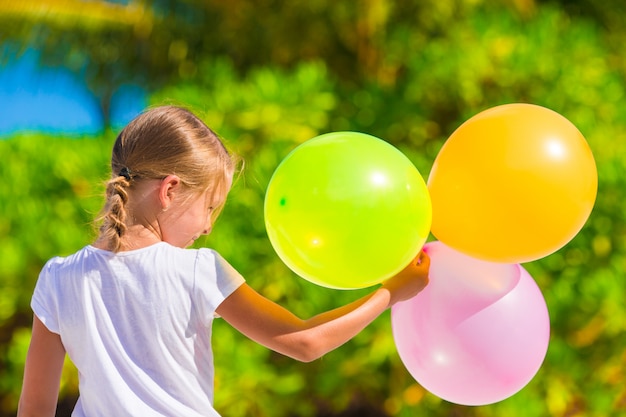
point(46, 208)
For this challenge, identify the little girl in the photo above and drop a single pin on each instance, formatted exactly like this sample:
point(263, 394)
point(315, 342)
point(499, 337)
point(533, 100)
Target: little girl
point(134, 310)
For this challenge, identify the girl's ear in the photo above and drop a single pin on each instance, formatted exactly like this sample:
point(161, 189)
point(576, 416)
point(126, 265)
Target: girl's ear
point(170, 185)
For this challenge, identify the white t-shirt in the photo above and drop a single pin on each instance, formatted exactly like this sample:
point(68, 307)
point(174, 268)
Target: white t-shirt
point(137, 325)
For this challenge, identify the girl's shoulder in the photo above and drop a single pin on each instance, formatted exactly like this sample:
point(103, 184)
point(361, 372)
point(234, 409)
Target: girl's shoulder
point(158, 255)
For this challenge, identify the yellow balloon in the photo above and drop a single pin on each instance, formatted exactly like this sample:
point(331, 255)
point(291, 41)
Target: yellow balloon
point(512, 184)
point(347, 210)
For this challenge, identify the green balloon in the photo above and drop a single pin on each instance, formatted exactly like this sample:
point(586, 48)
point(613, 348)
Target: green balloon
point(347, 210)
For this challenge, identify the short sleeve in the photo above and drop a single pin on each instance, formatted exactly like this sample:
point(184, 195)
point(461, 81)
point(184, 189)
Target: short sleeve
point(45, 296)
point(215, 279)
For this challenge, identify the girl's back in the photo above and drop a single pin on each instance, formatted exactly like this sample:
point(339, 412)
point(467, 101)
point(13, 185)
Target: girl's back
point(137, 325)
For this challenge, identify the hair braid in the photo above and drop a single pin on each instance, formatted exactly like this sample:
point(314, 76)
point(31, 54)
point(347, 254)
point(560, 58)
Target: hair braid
point(113, 215)
point(162, 141)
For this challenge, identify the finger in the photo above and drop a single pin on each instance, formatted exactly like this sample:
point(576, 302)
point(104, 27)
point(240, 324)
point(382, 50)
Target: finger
point(424, 259)
point(418, 258)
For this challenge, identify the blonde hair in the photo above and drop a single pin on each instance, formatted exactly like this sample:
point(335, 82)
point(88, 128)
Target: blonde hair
point(166, 140)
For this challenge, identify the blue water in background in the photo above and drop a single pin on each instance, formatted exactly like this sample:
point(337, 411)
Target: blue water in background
point(56, 100)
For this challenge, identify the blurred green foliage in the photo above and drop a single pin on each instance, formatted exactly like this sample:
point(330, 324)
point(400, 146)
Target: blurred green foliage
point(269, 75)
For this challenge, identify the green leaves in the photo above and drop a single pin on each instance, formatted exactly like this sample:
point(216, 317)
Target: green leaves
point(47, 202)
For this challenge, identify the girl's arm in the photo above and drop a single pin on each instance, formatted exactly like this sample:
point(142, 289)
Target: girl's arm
point(275, 327)
point(42, 373)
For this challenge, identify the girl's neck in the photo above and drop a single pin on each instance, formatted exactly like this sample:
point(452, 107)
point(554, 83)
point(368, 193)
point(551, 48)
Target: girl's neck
point(135, 237)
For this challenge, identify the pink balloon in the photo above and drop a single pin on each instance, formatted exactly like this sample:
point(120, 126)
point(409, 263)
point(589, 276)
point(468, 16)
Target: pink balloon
point(477, 334)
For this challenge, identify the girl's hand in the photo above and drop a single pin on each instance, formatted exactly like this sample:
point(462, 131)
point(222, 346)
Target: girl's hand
point(410, 281)
point(277, 328)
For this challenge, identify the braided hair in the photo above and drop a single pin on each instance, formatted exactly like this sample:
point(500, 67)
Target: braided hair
point(162, 141)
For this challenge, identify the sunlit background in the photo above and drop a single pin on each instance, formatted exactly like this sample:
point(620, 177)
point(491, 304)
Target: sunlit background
point(269, 74)
point(37, 97)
